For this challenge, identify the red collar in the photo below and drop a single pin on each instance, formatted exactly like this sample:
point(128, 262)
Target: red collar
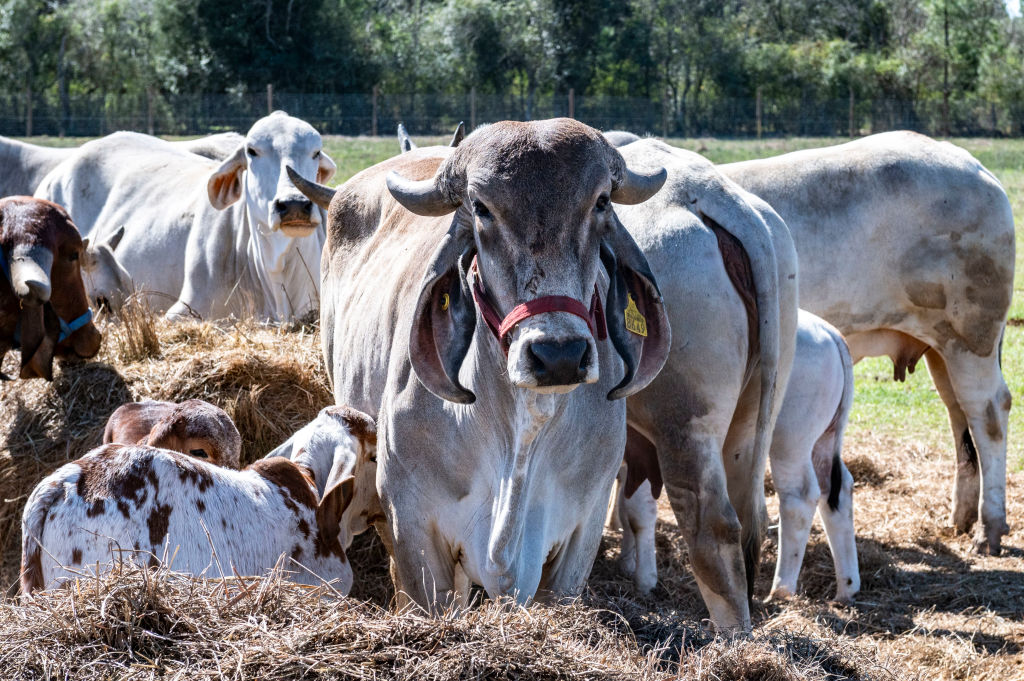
point(593, 316)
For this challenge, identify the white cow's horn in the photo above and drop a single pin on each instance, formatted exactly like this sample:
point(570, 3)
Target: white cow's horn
point(422, 197)
point(638, 187)
point(317, 193)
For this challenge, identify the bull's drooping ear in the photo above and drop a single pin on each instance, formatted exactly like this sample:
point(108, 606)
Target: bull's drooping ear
point(445, 319)
point(225, 184)
point(637, 321)
point(325, 171)
point(40, 330)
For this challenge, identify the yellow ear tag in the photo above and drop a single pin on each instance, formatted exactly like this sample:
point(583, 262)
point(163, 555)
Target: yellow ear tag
point(445, 300)
point(635, 321)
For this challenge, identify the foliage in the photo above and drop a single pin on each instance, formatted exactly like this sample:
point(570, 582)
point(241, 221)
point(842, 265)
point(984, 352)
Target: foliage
point(691, 55)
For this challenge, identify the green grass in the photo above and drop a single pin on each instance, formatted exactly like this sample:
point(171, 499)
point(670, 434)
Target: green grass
point(883, 407)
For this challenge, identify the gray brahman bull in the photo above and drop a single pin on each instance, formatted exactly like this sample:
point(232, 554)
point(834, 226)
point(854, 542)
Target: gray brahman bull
point(727, 270)
point(205, 238)
point(462, 306)
point(907, 246)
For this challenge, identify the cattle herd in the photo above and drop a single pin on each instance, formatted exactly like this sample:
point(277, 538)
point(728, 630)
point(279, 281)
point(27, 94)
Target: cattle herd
point(514, 326)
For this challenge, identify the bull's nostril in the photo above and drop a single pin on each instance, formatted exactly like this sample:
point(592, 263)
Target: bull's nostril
point(559, 363)
point(293, 207)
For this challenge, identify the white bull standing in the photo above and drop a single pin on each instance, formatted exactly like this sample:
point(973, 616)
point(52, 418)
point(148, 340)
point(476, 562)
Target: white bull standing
point(907, 246)
point(470, 327)
point(205, 238)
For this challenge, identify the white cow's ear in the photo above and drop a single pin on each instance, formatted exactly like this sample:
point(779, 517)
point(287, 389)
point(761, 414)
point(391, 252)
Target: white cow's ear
point(325, 171)
point(225, 184)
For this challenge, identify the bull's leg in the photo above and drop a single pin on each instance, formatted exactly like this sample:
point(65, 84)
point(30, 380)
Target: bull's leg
point(565, 573)
point(797, 486)
point(627, 556)
point(691, 467)
point(639, 517)
point(983, 396)
point(426, 576)
point(967, 485)
point(836, 509)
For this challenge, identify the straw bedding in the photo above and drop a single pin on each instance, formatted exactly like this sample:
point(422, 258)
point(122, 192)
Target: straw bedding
point(929, 609)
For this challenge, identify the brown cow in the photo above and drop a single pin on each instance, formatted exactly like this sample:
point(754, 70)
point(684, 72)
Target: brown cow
point(193, 427)
point(44, 310)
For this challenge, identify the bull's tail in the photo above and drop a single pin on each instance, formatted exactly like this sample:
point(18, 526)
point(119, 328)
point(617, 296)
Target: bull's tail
point(33, 523)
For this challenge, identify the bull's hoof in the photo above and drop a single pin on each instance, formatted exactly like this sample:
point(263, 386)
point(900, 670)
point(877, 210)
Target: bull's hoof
point(964, 517)
point(780, 593)
point(988, 539)
point(644, 584)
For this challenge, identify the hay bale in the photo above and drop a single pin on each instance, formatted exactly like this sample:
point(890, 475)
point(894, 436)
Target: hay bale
point(270, 380)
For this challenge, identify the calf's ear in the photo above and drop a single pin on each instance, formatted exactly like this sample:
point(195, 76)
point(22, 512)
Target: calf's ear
point(637, 321)
point(445, 319)
point(331, 508)
point(225, 184)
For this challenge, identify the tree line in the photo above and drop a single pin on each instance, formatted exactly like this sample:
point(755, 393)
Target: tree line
point(690, 56)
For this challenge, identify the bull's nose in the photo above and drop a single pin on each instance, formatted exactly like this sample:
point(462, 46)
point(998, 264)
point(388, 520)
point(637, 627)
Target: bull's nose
point(293, 209)
point(32, 291)
point(559, 363)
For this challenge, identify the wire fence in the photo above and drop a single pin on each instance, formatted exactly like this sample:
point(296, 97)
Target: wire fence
point(424, 114)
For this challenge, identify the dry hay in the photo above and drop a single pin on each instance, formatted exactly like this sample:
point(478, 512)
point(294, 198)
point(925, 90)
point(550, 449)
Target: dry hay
point(139, 624)
point(270, 380)
point(929, 609)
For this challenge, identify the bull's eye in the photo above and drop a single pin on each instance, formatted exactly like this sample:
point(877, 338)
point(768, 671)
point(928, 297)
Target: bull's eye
point(198, 453)
point(316, 154)
point(481, 210)
point(252, 152)
point(602, 203)
point(74, 256)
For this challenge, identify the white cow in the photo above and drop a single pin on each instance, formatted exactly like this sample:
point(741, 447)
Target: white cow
point(204, 238)
point(23, 166)
point(146, 505)
point(807, 470)
point(907, 246)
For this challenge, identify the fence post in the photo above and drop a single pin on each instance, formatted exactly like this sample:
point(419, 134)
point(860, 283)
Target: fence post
point(472, 109)
point(28, 111)
point(373, 124)
point(852, 133)
point(270, 99)
point(757, 112)
point(572, 103)
point(149, 111)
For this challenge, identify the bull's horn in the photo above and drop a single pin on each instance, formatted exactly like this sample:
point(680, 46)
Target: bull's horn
point(638, 187)
point(460, 134)
point(422, 197)
point(30, 276)
point(405, 142)
point(317, 193)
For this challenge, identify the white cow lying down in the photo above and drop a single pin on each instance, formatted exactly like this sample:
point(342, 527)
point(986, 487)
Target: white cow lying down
point(143, 504)
point(340, 443)
point(807, 470)
point(206, 238)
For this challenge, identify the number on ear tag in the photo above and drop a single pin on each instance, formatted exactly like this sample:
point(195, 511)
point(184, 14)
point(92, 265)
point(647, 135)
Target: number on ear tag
point(635, 321)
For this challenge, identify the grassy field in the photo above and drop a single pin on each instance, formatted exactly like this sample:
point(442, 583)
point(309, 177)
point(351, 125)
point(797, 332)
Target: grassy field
point(929, 609)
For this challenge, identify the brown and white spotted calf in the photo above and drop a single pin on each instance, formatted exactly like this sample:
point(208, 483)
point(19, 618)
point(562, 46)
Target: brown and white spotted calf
point(146, 505)
point(340, 443)
point(193, 427)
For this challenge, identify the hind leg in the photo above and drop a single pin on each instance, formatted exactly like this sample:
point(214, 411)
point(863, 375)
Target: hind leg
point(797, 486)
point(967, 484)
point(838, 522)
point(983, 396)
